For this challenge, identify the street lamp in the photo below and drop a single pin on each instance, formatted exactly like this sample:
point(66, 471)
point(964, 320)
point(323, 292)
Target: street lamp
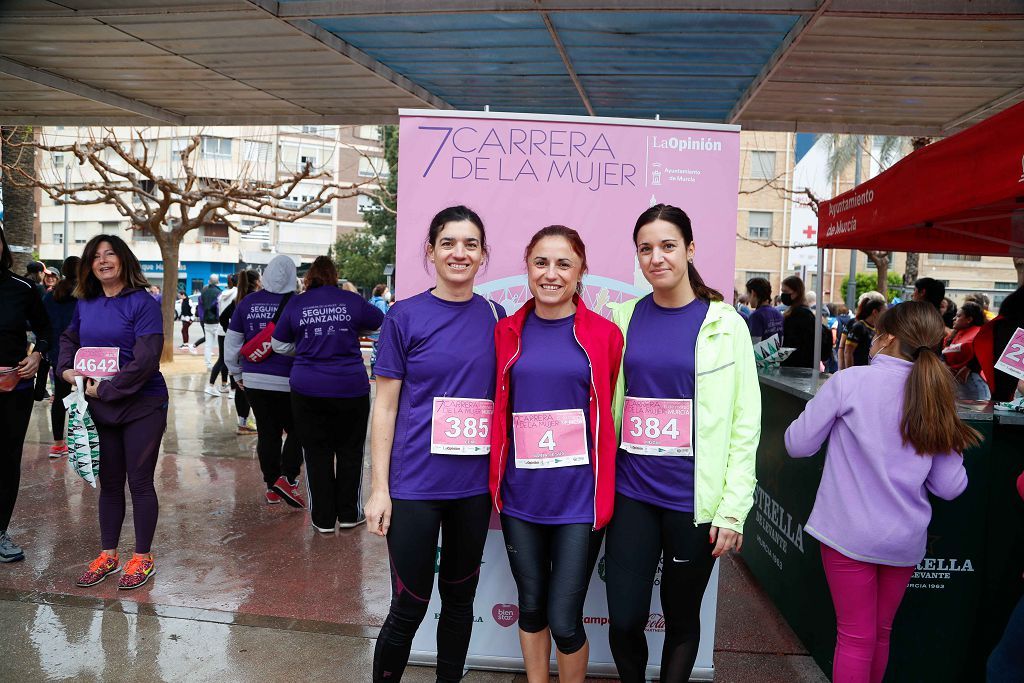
point(389, 270)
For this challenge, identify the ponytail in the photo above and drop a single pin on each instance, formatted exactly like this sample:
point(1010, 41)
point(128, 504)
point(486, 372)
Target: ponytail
point(701, 290)
point(929, 422)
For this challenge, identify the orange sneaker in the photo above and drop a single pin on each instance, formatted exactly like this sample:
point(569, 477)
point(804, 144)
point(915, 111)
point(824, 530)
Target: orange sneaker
point(98, 570)
point(136, 572)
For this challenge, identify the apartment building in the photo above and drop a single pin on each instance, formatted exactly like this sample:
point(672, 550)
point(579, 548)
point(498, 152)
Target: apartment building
point(347, 153)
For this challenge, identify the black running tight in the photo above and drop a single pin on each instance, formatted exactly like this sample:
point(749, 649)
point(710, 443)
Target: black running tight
point(639, 536)
point(412, 545)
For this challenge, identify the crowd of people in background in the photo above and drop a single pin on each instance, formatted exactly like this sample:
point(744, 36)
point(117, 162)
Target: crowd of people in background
point(974, 335)
point(544, 415)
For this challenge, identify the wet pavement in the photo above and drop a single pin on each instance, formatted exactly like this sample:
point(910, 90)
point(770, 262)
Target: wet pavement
point(244, 591)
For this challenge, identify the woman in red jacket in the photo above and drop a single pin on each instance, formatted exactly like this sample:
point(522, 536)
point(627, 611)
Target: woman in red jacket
point(553, 449)
point(958, 353)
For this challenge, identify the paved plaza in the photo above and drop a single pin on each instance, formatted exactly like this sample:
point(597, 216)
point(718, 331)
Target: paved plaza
point(245, 591)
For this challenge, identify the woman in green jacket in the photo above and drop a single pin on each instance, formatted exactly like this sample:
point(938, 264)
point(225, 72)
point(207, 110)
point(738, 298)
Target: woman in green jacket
point(689, 411)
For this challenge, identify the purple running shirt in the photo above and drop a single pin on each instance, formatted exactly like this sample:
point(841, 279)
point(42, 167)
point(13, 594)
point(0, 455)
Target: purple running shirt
point(437, 348)
point(324, 324)
point(552, 373)
point(659, 362)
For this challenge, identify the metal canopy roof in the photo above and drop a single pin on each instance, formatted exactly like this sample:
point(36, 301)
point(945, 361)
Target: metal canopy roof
point(914, 67)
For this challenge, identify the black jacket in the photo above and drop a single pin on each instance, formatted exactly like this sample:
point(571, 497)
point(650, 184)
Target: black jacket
point(21, 309)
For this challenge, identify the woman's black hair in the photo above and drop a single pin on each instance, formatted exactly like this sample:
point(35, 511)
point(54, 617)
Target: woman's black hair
point(454, 214)
point(1012, 306)
point(678, 218)
point(6, 258)
point(974, 312)
point(69, 279)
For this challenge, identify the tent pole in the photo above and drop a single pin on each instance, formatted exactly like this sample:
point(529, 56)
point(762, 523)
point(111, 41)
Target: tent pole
point(818, 286)
point(851, 287)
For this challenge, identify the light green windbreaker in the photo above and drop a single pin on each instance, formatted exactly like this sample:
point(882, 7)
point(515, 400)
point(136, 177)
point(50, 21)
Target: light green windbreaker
point(728, 413)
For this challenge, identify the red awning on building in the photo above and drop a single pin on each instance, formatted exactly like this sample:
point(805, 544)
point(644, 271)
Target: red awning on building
point(961, 195)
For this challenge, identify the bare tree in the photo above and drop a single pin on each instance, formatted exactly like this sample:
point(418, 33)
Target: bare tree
point(168, 208)
point(19, 200)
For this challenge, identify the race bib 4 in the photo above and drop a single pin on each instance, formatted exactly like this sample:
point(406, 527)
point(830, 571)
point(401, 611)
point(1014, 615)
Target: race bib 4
point(657, 426)
point(550, 438)
point(461, 426)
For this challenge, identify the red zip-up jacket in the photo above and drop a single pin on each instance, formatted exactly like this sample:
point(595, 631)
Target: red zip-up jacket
point(601, 341)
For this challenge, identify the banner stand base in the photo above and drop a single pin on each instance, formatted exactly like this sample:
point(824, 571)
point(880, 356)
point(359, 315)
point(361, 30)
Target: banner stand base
point(515, 664)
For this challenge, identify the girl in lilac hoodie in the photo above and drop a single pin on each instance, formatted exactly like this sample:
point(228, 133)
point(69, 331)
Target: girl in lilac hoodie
point(872, 512)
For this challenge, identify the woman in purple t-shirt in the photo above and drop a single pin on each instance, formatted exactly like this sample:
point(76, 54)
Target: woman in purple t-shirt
point(115, 312)
point(689, 405)
point(553, 449)
point(330, 391)
point(431, 420)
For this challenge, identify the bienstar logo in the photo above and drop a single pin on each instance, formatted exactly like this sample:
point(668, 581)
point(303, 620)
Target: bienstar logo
point(505, 614)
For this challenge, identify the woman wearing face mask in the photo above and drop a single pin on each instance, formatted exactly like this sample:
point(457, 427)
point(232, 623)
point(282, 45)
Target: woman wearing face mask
point(429, 444)
point(116, 312)
point(690, 410)
point(553, 449)
point(872, 509)
point(798, 324)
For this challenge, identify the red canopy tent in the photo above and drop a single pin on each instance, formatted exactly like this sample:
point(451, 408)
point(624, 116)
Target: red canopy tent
point(961, 195)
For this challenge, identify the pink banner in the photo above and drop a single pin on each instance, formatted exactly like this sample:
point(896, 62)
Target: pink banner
point(594, 175)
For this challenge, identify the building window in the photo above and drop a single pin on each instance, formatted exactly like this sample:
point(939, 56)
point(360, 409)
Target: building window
point(214, 233)
point(309, 159)
point(178, 145)
point(370, 167)
point(762, 165)
point(368, 132)
point(217, 148)
point(58, 160)
point(760, 226)
point(257, 151)
point(364, 203)
point(254, 230)
point(751, 274)
point(953, 257)
point(312, 130)
point(58, 236)
point(1003, 290)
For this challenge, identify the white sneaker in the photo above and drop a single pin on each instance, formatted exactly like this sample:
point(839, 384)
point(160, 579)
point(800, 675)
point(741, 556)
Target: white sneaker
point(231, 393)
point(192, 349)
point(224, 388)
point(212, 390)
point(322, 530)
point(350, 525)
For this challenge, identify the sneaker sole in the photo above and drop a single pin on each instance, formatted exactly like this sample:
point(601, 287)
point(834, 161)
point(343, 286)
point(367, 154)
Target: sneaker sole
point(292, 502)
point(351, 525)
point(145, 581)
point(325, 532)
point(86, 585)
point(6, 559)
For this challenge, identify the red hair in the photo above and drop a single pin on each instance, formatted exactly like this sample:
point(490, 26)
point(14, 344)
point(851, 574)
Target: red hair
point(568, 234)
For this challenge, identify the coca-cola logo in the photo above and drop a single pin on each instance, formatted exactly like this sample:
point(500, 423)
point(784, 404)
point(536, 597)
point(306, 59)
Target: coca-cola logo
point(655, 622)
point(505, 614)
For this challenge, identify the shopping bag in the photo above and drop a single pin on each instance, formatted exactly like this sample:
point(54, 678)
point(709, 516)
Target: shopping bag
point(83, 439)
point(769, 353)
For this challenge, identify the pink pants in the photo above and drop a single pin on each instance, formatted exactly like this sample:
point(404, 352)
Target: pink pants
point(866, 597)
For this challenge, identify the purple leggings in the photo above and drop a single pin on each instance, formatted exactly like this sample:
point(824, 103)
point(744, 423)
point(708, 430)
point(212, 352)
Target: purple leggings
point(128, 452)
point(866, 597)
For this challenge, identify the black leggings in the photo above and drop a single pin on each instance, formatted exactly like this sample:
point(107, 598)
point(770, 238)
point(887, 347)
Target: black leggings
point(412, 544)
point(241, 400)
point(639, 536)
point(58, 413)
point(278, 455)
point(15, 411)
point(552, 565)
point(220, 366)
